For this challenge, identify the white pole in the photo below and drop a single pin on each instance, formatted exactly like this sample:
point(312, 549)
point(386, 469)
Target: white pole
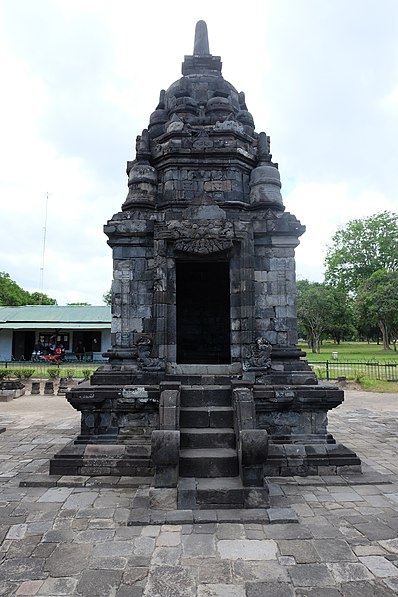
point(43, 249)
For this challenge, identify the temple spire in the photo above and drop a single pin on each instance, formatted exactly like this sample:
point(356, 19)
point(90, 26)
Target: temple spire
point(201, 44)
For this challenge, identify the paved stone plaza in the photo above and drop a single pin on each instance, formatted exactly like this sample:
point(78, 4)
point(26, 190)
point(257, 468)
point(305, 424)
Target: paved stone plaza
point(72, 538)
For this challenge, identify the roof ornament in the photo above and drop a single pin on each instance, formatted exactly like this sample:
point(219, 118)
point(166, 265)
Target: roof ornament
point(201, 44)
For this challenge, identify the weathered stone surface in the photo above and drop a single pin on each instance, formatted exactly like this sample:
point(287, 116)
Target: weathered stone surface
point(247, 549)
point(214, 572)
point(195, 545)
point(280, 515)
point(59, 586)
point(318, 592)
point(379, 566)
point(259, 589)
point(170, 580)
point(22, 569)
point(349, 571)
point(323, 518)
point(334, 550)
point(221, 590)
point(99, 583)
point(365, 589)
point(69, 559)
point(266, 570)
point(134, 573)
point(303, 552)
point(309, 575)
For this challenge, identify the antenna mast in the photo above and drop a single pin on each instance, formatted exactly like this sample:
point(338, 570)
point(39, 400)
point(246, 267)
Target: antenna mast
point(43, 251)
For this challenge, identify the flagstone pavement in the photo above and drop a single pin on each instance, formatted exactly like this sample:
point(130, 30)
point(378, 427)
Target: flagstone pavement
point(72, 539)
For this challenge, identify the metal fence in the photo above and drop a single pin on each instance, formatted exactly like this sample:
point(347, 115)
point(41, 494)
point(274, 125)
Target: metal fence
point(356, 370)
point(42, 370)
point(329, 370)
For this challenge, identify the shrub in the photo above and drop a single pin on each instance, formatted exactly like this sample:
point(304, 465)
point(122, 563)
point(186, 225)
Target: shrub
point(358, 376)
point(28, 373)
point(53, 372)
point(4, 373)
point(68, 373)
point(87, 373)
point(320, 372)
point(22, 373)
point(18, 373)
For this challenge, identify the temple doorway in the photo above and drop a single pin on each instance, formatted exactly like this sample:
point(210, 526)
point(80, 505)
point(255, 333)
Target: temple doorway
point(203, 312)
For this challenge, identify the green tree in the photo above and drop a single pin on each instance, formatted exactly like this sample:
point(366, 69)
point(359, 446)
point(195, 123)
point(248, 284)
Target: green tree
point(107, 297)
point(341, 315)
point(12, 295)
point(312, 311)
point(39, 298)
point(323, 311)
point(377, 301)
point(360, 248)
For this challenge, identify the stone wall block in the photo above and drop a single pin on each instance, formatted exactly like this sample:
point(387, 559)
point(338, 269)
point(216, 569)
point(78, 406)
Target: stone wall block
point(49, 387)
point(262, 324)
point(280, 324)
point(165, 456)
point(35, 387)
point(281, 338)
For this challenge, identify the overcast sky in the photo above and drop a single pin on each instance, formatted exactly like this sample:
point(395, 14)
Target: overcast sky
point(80, 78)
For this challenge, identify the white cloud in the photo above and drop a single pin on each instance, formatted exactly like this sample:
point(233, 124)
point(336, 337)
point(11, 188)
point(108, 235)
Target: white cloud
point(323, 208)
point(80, 80)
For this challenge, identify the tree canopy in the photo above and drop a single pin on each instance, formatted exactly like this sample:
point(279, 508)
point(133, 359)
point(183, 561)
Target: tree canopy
point(107, 297)
point(12, 295)
point(360, 248)
point(377, 302)
point(323, 310)
point(39, 298)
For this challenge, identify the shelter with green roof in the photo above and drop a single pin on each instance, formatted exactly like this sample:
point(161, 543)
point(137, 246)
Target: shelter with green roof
point(22, 327)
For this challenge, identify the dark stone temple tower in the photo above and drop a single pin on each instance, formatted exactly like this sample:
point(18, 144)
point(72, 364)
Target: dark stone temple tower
point(205, 387)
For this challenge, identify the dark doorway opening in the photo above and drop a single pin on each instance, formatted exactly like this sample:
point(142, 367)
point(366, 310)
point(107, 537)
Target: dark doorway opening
point(22, 345)
point(203, 312)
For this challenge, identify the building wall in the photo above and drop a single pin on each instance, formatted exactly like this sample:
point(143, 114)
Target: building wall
point(105, 340)
point(6, 339)
point(5, 345)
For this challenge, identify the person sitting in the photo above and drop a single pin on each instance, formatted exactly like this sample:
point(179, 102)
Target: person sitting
point(60, 352)
point(37, 351)
point(80, 351)
point(52, 345)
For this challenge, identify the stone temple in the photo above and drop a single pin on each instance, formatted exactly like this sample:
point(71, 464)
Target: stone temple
point(204, 387)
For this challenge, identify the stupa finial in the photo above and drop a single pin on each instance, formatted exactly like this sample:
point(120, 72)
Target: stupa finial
point(201, 44)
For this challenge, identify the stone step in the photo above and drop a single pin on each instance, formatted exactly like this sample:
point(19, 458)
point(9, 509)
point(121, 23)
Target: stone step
point(221, 462)
point(211, 416)
point(210, 395)
point(199, 494)
point(219, 493)
point(207, 438)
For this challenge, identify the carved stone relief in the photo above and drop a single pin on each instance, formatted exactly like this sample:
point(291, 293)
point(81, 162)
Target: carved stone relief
point(202, 237)
point(258, 356)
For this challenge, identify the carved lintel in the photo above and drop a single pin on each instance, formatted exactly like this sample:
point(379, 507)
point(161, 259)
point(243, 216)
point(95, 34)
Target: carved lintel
point(201, 236)
point(202, 246)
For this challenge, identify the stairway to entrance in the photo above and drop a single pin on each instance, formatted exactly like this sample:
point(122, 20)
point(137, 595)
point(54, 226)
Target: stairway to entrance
point(208, 464)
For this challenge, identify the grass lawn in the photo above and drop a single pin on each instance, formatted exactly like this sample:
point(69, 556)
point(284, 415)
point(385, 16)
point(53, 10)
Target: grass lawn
point(370, 378)
point(378, 385)
point(351, 351)
point(44, 371)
